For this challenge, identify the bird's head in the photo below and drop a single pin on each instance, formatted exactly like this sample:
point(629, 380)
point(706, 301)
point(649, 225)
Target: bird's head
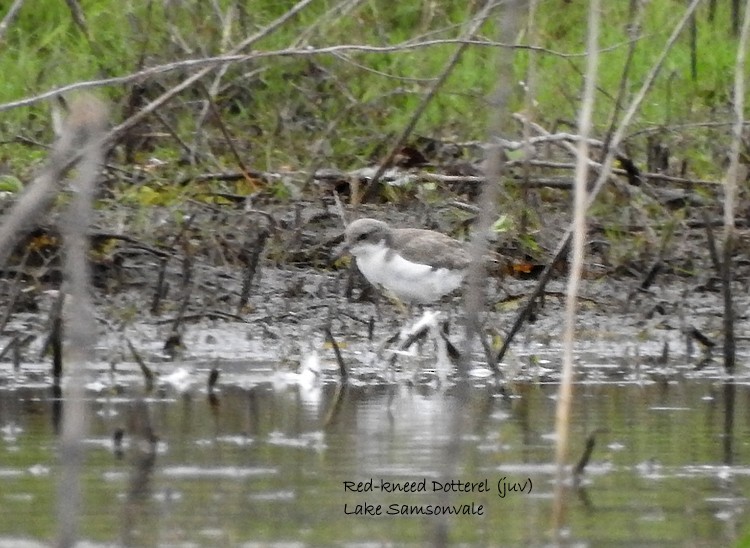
point(362, 235)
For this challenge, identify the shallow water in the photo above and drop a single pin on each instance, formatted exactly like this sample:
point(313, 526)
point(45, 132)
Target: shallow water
point(289, 463)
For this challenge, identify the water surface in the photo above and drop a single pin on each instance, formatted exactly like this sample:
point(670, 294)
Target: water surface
point(266, 463)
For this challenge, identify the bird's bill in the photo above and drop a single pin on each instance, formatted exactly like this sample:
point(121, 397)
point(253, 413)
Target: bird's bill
point(340, 251)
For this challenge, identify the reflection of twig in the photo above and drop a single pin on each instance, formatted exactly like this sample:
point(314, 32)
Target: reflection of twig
point(338, 400)
point(143, 445)
point(586, 455)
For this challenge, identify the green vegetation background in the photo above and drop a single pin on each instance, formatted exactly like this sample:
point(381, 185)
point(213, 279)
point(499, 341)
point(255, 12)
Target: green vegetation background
point(293, 112)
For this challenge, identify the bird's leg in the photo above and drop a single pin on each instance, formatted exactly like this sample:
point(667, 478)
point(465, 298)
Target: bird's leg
point(442, 364)
point(453, 353)
point(404, 310)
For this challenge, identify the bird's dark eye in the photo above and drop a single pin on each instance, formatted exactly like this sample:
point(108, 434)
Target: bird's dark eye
point(361, 237)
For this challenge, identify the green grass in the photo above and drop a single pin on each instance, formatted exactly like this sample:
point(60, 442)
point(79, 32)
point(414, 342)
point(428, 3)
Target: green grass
point(289, 103)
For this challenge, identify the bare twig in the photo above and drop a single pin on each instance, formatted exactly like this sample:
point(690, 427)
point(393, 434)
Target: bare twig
point(343, 371)
point(169, 94)
point(634, 30)
point(711, 241)
point(161, 285)
point(604, 174)
point(79, 18)
point(334, 174)
point(251, 257)
point(213, 90)
point(529, 104)
point(506, 22)
point(39, 195)
point(369, 190)
point(209, 63)
point(211, 106)
point(565, 392)
point(9, 17)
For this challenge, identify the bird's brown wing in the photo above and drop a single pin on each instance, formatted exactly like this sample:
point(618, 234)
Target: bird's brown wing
point(433, 248)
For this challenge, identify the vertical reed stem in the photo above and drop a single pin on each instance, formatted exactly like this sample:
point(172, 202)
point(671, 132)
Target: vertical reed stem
point(730, 193)
point(580, 196)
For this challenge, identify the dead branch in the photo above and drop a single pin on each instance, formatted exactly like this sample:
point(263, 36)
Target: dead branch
point(9, 17)
point(371, 186)
point(604, 175)
point(209, 63)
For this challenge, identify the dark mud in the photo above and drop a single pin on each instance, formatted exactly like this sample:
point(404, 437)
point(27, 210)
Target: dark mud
point(220, 283)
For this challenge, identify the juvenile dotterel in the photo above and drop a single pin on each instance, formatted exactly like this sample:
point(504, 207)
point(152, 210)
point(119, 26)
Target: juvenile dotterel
point(416, 265)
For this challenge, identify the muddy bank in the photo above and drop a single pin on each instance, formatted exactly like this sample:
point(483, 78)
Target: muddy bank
point(218, 282)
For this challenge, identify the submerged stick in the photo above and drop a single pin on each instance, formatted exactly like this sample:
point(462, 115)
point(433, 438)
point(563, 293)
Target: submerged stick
point(148, 375)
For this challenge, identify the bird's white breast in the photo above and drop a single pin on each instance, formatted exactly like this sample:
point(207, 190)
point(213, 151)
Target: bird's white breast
point(408, 280)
